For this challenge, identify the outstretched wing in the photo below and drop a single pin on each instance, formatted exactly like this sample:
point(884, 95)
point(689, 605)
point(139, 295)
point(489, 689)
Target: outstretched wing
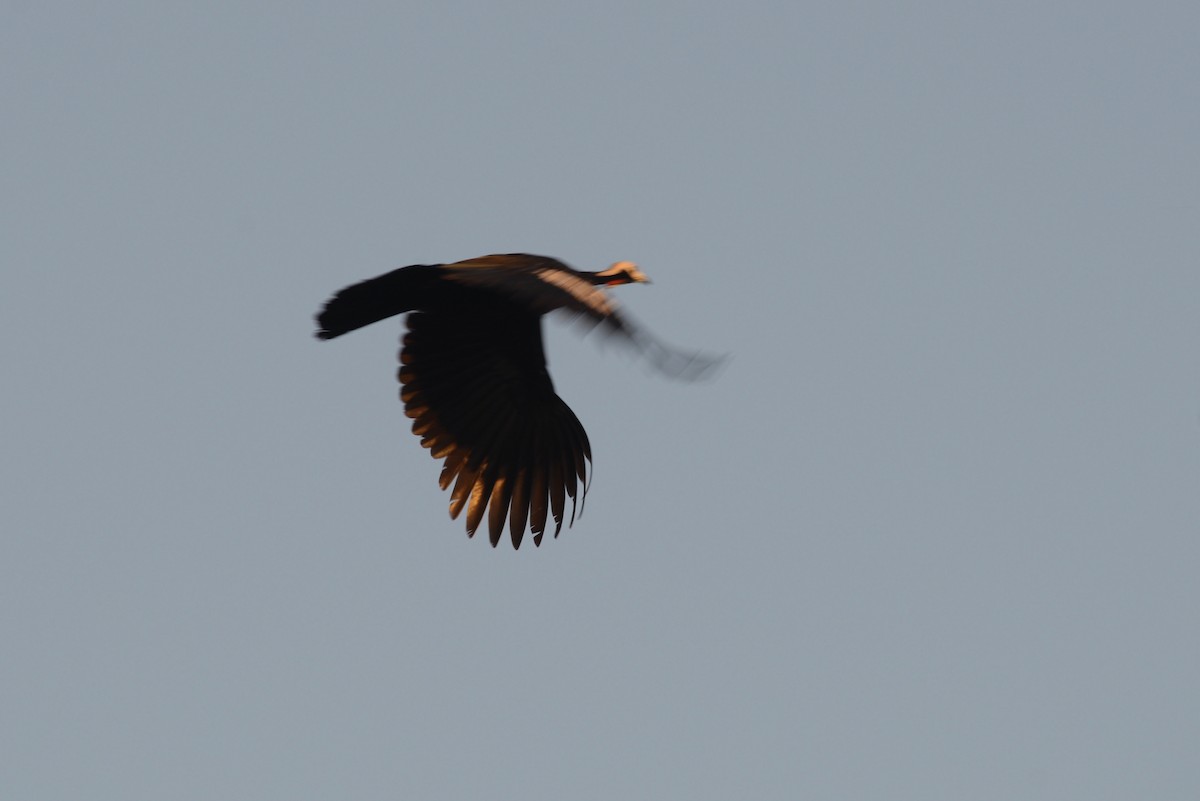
point(477, 389)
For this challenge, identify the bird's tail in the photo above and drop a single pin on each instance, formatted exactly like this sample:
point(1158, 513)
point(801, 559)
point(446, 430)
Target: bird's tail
point(375, 299)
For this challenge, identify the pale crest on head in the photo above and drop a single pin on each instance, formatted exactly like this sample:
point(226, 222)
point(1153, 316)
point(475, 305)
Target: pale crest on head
point(624, 272)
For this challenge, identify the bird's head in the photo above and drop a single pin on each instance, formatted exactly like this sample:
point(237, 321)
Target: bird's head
point(622, 272)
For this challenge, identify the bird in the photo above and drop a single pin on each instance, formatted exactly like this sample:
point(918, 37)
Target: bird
point(474, 379)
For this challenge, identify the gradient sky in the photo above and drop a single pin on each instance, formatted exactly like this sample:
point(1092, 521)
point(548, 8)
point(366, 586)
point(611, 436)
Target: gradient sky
point(931, 534)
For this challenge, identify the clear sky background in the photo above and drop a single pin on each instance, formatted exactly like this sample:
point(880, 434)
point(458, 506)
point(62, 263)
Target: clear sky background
point(931, 534)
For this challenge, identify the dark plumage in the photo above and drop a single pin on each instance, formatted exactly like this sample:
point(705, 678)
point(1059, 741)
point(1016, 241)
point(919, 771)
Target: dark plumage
point(474, 379)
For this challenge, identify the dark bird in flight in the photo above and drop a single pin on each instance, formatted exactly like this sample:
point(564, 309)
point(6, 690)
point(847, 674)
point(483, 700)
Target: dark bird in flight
point(473, 376)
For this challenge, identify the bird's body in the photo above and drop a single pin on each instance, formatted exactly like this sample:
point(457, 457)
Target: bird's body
point(474, 379)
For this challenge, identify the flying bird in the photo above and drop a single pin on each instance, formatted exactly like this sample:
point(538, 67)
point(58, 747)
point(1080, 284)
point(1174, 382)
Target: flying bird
point(474, 380)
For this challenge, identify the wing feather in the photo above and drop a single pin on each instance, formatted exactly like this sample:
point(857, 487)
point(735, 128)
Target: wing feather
point(475, 384)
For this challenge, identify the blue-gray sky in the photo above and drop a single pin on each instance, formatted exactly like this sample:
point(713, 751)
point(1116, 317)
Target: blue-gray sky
point(932, 534)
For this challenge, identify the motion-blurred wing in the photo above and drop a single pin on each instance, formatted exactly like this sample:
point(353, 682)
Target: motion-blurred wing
point(542, 285)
